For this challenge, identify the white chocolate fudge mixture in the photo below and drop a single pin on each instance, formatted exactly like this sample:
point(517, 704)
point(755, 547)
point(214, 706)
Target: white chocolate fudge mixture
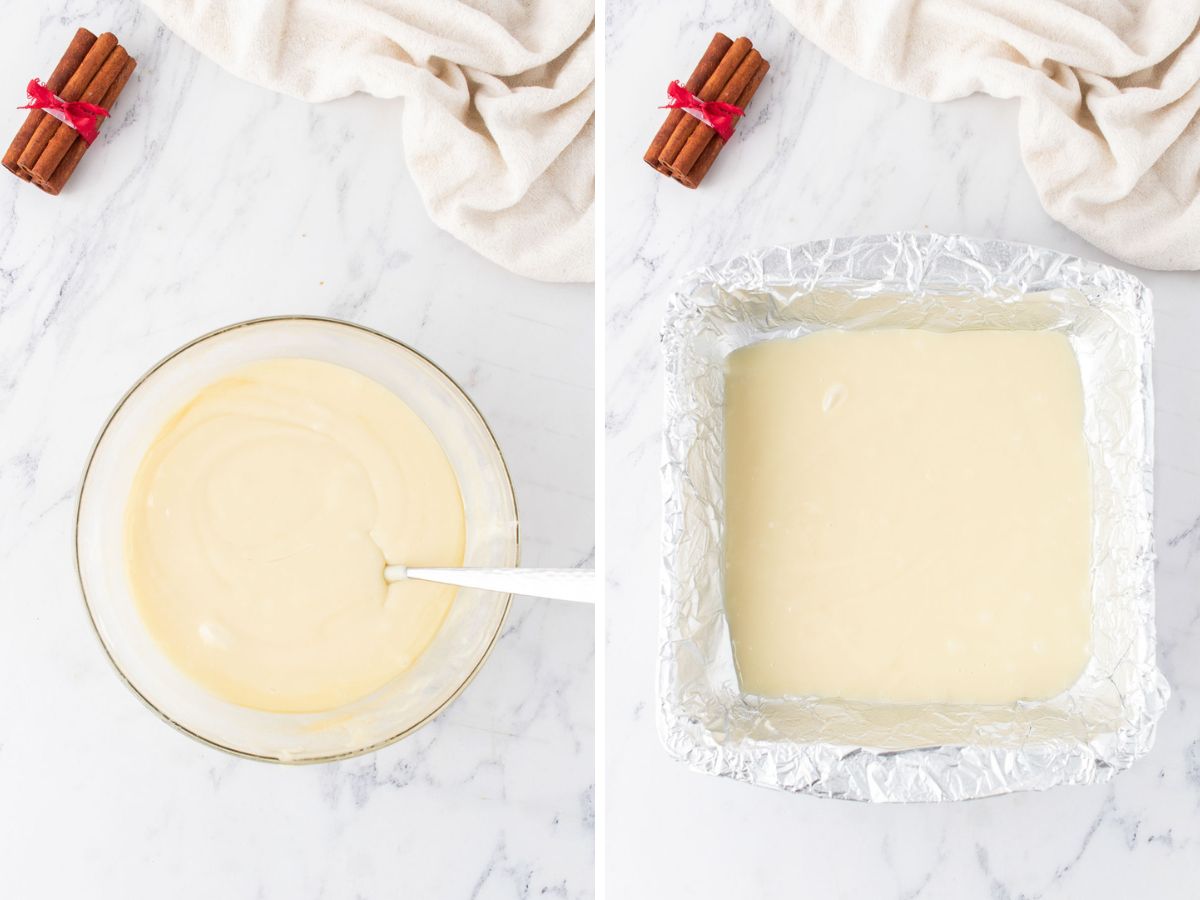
point(907, 516)
point(259, 525)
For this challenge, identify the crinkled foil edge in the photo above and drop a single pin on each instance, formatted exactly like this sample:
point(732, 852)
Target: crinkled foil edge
point(701, 721)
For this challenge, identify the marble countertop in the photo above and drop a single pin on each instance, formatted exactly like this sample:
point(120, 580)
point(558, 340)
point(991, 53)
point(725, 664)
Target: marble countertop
point(825, 153)
point(208, 201)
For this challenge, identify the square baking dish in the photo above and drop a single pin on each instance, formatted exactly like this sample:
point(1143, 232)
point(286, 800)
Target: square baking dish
point(896, 752)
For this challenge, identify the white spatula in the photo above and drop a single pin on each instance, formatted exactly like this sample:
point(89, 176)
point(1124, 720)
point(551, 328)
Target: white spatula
point(577, 585)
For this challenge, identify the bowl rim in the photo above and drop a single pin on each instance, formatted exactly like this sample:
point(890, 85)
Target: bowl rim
point(179, 726)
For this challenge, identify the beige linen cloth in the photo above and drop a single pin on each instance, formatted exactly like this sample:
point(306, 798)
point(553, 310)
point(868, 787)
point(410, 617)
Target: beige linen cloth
point(498, 113)
point(1109, 93)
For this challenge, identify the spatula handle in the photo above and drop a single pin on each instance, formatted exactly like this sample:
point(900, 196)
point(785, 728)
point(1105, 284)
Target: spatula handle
point(577, 585)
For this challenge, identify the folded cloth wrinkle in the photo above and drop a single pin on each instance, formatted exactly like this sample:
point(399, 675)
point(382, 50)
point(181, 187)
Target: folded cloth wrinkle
point(499, 103)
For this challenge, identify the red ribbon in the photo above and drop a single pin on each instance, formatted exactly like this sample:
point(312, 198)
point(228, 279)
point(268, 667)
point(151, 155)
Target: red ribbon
point(716, 115)
point(83, 117)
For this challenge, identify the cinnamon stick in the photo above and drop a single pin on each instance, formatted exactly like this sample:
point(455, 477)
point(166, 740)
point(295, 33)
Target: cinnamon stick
point(700, 138)
point(59, 178)
point(72, 90)
point(712, 57)
point(64, 135)
point(733, 58)
point(686, 145)
point(704, 161)
point(78, 49)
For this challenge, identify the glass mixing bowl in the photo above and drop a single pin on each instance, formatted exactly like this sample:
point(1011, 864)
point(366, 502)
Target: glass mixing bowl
point(412, 698)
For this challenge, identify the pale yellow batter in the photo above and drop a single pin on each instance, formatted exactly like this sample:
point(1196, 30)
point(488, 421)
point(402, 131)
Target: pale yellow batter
point(259, 525)
point(907, 516)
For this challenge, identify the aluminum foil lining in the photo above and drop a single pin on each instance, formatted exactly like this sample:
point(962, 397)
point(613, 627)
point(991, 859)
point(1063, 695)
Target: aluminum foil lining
point(881, 752)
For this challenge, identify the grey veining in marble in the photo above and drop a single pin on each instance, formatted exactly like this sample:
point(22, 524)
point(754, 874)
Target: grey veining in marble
point(824, 153)
point(206, 201)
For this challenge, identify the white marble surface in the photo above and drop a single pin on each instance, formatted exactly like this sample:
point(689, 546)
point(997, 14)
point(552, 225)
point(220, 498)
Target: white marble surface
point(824, 153)
point(208, 201)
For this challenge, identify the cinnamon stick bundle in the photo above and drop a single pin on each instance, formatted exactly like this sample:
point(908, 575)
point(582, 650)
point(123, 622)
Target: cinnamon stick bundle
point(93, 70)
point(729, 72)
